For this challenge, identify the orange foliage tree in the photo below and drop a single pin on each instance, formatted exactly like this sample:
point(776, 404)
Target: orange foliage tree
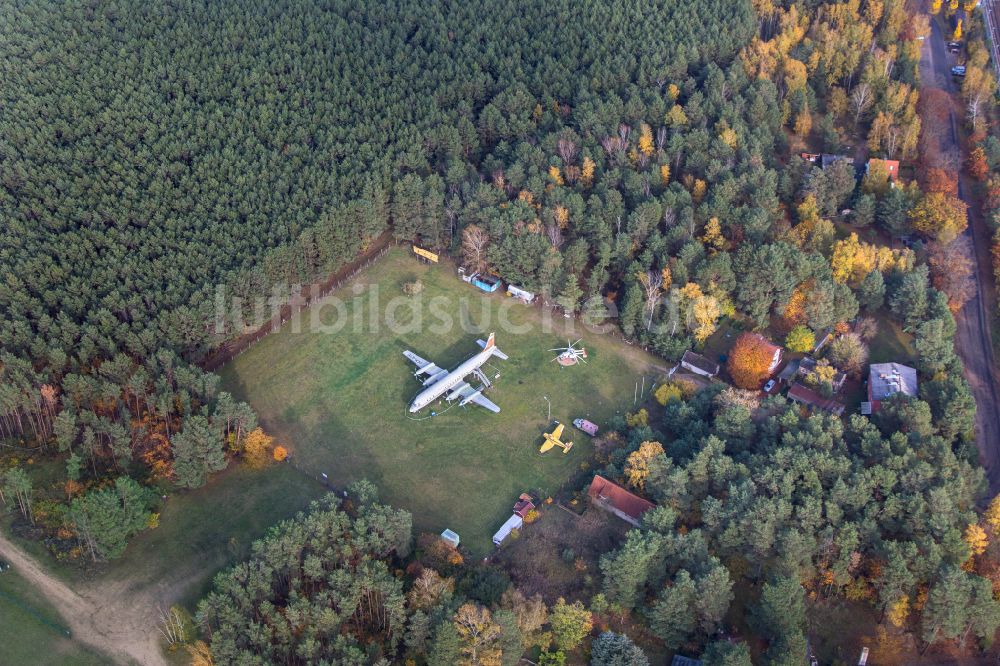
point(750, 361)
point(977, 164)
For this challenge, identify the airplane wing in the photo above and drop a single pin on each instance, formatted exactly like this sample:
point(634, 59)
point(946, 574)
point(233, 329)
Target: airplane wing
point(470, 394)
point(483, 401)
point(557, 433)
point(424, 366)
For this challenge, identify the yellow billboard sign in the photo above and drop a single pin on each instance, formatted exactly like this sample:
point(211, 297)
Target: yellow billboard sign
point(426, 254)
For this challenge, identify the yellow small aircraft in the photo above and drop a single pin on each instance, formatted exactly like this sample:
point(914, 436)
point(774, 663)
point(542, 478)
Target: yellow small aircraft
point(552, 439)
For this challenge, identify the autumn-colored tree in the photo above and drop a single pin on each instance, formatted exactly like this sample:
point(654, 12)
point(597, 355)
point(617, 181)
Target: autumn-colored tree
point(698, 190)
point(200, 653)
point(800, 339)
point(803, 122)
point(976, 539)
point(939, 216)
point(702, 311)
point(664, 174)
point(257, 448)
point(637, 465)
point(668, 392)
point(936, 7)
point(977, 164)
point(941, 180)
point(750, 360)
point(480, 636)
point(587, 171)
point(676, 116)
point(646, 140)
point(555, 175)
point(712, 236)
point(280, 453)
point(953, 271)
point(429, 589)
point(638, 419)
point(992, 514)
point(957, 34)
point(898, 611)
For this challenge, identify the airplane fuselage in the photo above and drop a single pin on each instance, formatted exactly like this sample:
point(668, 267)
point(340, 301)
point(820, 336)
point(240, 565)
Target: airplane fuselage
point(449, 381)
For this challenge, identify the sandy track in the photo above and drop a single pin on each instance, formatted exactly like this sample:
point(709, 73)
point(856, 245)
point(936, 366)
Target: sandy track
point(122, 627)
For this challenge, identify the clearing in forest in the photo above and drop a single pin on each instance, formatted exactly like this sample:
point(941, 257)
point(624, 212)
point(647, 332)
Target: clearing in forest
point(339, 399)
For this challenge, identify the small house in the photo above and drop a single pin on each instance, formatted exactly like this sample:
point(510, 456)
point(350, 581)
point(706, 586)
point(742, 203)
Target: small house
point(697, 364)
point(615, 499)
point(891, 167)
point(513, 523)
point(524, 505)
point(450, 537)
point(804, 395)
point(887, 379)
point(810, 157)
point(520, 294)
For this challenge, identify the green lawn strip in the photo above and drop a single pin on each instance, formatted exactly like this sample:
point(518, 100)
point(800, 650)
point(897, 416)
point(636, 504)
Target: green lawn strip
point(31, 630)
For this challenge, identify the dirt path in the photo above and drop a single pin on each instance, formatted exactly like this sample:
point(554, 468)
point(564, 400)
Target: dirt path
point(121, 627)
point(973, 339)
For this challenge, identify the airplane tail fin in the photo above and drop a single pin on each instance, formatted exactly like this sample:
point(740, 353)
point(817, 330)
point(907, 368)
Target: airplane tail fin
point(490, 345)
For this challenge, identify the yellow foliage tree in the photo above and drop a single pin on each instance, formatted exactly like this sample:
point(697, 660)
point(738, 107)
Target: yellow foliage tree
point(729, 137)
point(201, 654)
point(668, 392)
point(698, 190)
point(702, 308)
point(257, 447)
point(280, 453)
point(561, 215)
point(898, 611)
point(936, 6)
point(637, 465)
point(587, 171)
point(554, 175)
point(638, 419)
point(992, 514)
point(712, 237)
point(646, 140)
point(957, 35)
point(668, 278)
point(676, 116)
point(976, 539)
point(665, 174)
point(803, 122)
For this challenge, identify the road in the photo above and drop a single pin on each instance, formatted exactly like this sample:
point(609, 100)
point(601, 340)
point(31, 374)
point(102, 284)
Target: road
point(973, 340)
point(119, 625)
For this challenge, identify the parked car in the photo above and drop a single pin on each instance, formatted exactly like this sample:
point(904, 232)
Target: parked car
point(954, 47)
point(4, 566)
point(769, 385)
point(958, 70)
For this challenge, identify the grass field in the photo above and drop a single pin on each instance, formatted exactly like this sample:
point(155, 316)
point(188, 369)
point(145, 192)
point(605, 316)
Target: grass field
point(31, 631)
point(339, 399)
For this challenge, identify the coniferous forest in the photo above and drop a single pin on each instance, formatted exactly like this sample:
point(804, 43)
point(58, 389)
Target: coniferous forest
point(612, 156)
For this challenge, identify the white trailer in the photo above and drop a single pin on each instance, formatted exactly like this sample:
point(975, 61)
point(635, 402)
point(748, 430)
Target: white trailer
point(513, 523)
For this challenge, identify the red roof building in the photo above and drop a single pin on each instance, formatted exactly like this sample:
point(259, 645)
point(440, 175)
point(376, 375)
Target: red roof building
point(612, 497)
point(523, 505)
point(891, 167)
point(804, 395)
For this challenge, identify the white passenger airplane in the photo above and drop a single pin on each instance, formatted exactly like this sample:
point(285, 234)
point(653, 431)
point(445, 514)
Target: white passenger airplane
point(440, 381)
